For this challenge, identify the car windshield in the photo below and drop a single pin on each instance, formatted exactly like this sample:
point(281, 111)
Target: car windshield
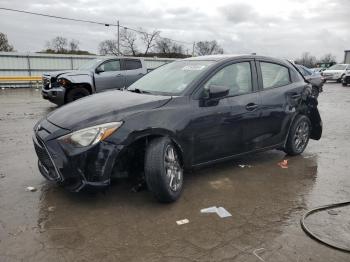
point(171, 79)
point(337, 67)
point(90, 65)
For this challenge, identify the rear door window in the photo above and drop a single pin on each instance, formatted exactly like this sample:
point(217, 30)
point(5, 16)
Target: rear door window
point(132, 64)
point(274, 75)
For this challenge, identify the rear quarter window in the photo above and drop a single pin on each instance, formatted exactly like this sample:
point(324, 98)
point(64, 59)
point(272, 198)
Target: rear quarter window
point(274, 75)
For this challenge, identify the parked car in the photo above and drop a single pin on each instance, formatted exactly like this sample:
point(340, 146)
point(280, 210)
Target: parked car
point(314, 78)
point(185, 114)
point(318, 69)
point(336, 72)
point(346, 79)
point(97, 75)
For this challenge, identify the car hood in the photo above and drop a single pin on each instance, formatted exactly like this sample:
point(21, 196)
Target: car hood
point(104, 107)
point(333, 71)
point(56, 74)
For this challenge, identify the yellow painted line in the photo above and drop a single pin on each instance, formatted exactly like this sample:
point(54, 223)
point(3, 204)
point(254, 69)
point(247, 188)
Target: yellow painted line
point(19, 78)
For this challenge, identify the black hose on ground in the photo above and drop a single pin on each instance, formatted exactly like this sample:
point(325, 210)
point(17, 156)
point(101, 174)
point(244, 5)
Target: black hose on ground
point(312, 235)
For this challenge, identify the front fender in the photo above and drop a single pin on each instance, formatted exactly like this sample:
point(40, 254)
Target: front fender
point(150, 133)
point(83, 79)
point(154, 132)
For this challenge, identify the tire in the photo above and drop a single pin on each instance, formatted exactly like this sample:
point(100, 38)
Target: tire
point(315, 92)
point(299, 135)
point(163, 170)
point(76, 93)
point(344, 83)
point(339, 80)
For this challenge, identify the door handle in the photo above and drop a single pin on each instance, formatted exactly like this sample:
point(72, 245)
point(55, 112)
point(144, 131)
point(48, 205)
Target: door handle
point(119, 75)
point(251, 106)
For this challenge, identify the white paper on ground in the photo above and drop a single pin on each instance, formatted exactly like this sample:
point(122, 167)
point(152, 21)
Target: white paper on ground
point(183, 221)
point(209, 210)
point(220, 211)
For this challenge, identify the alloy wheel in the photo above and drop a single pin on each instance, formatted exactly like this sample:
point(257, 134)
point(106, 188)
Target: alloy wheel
point(173, 168)
point(301, 136)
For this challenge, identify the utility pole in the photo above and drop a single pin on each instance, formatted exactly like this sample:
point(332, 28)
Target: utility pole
point(118, 37)
point(194, 43)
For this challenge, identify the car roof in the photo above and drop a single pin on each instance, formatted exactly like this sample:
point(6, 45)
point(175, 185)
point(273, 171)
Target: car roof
point(223, 57)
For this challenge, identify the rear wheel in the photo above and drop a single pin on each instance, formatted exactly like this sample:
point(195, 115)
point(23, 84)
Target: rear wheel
point(76, 93)
point(163, 170)
point(298, 136)
point(344, 83)
point(315, 92)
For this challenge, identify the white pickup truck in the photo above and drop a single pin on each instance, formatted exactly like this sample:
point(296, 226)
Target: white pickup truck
point(97, 75)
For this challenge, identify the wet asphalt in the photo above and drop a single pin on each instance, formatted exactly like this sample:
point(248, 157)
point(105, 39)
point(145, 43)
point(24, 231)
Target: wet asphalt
point(266, 201)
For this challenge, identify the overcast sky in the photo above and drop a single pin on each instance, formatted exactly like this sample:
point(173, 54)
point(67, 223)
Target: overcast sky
point(282, 28)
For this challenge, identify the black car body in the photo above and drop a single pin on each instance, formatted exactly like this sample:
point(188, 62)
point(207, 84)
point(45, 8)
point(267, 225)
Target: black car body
point(314, 78)
point(205, 124)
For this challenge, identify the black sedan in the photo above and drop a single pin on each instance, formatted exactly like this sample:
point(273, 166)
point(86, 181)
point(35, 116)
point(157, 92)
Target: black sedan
point(186, 114)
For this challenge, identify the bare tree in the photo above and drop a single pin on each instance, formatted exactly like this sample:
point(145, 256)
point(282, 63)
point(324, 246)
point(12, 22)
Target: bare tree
point(149, 39)
point(178, 49)
point(163, 46)
point(327, 58)
point(108, 47)
point(208, 48)
point(4, 43)
point(307, 60)
point(58, 44)
point(128, 42)
point(73, 45)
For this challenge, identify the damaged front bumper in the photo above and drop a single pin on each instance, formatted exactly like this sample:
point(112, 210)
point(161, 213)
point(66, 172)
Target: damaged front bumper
point(55, 95)
point(75, 170)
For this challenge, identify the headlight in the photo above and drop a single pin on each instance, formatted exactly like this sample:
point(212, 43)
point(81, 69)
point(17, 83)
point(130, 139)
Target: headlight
point(91, 135)
point(63, 82)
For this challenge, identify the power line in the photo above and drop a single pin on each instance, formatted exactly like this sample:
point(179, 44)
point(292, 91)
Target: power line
point(86, 21)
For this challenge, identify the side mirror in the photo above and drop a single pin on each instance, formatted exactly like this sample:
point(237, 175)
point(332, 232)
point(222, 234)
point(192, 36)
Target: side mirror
point(99, 70)
point(216, 91)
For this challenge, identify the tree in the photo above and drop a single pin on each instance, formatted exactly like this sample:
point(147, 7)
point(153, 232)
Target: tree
point(177, 49)
point(149, 39)
point(58, 44)
point(208, 48)
point(4, 43)
point(73, 45)
point(108, 47)
point(128, 42)
point(327, 58)
point(306, 60)
point(163, 46)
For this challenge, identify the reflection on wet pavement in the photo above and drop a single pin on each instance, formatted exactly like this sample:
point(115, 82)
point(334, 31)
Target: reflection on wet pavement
point(266, 202)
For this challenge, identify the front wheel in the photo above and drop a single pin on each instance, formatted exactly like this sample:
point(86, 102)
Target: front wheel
point(299, 135)
point(76, 93)
point(163, 170)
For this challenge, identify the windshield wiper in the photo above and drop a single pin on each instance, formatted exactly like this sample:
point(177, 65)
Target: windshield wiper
point(137, 90)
